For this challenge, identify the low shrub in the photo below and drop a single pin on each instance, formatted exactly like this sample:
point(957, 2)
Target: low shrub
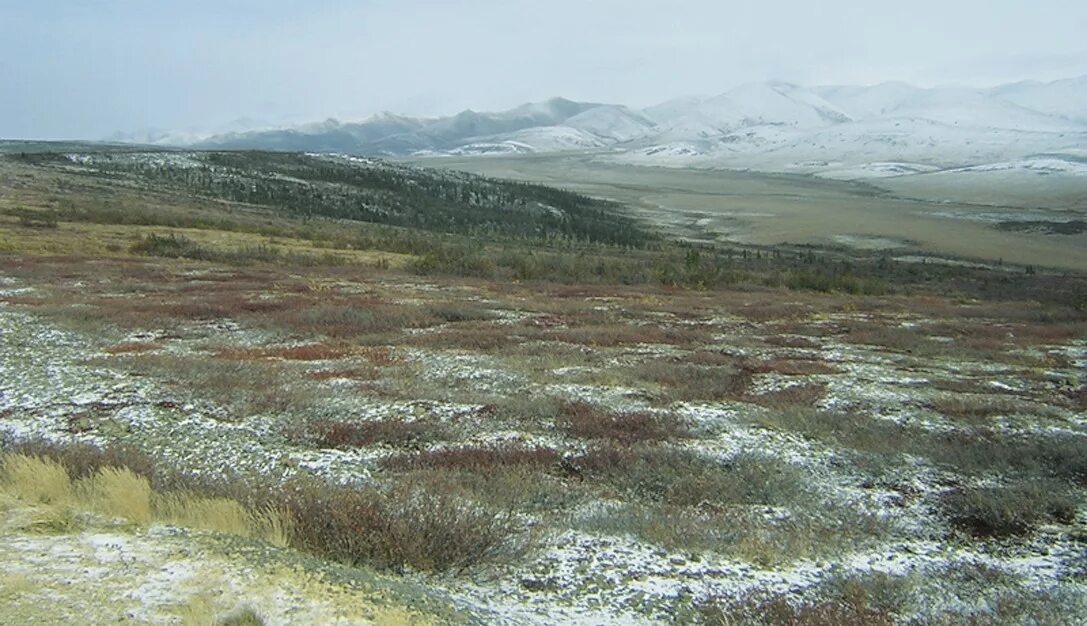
point(789, 367)
point(967, 407)
point(133, 347)
point(685, 478)
point(1010, 510)
point(791, 396)
point(476, 459)
point(454, 312)
point(393, 432)
point(308, 352)
point(82, 460)
point(588, 421)
point(760, 609)
point(686, 382)
point(405, 527)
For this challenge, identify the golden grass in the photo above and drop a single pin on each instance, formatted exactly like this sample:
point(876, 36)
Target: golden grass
point(35, 480)
point(222, 515)
point(120, 493)
point(14, 585)
point(117, 492)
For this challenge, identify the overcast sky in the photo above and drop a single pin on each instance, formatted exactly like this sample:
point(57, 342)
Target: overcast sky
point(88, 68)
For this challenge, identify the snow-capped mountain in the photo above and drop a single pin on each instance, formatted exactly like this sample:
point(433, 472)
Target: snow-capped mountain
point(842, 131)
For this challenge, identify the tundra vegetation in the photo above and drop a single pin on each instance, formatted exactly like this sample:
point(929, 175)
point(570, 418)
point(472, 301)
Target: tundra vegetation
point(398, 395)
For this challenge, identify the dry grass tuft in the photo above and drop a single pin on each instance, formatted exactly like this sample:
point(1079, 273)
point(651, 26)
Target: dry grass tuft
point(219, 515)
point(35, 479)
point(119, 492)
point(82, 460)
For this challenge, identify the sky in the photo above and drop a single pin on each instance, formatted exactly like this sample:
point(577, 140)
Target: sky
point(86, 69)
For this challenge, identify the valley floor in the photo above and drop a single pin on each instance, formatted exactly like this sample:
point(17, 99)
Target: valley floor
point(964, 214)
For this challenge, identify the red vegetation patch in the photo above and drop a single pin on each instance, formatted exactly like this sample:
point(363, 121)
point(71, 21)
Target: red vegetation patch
point(797, 395)
point(786, 341)
point(335, 434)
point(618, 335)
point(23, 300)
point(483, 338)
point(708, 357)
point(309, 352)
point(345, 374)
point(133, 347)
point(588, 421)
point(479, 459)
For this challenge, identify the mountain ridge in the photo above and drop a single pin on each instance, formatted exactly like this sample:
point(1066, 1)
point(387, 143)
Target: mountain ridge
point(767, 125)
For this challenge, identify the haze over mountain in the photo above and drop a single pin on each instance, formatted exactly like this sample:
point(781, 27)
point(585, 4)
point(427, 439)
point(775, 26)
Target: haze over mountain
point(842, 131)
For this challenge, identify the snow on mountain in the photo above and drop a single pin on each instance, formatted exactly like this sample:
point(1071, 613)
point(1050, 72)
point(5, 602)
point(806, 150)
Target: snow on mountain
point(756, 104)
point(1064, 98)
point(884, 130)
point(974, 107)
point(611, 122)
point(533, 140)
point(861, 103)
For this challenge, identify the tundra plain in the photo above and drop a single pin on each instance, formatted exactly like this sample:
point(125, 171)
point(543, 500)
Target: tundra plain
point(225, 398)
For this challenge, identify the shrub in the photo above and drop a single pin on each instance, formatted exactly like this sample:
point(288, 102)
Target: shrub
point(791, 396)
point(394, 432)
point(684, 478)
point(308, 352)
point(133, 347)
point(587, 421)
point(242, 617)
point(477, 459)
point(405, 527)
point(779, 610)
point(973, 407)
point(789, 367)
point(695, 382)
point(457, 312)
point(1010, 510)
